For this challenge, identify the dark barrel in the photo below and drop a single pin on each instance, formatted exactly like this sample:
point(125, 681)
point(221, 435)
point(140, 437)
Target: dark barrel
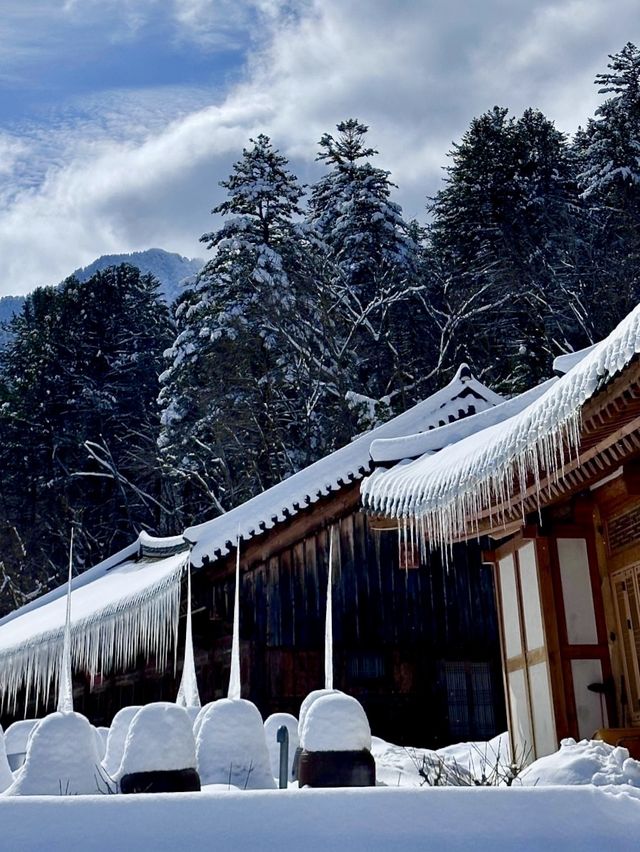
point(336, 769)
point(168, 781)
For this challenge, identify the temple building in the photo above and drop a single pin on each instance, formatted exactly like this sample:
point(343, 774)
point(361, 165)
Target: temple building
point(553, 477)
point(415, 637)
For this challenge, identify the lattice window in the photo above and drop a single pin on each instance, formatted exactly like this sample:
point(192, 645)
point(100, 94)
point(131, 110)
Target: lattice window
point(366, 666)
point(470, 700)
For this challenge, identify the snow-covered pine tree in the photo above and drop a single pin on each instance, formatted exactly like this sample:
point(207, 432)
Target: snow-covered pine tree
point(372, 257)
point(608, 152)
point(250, 388)
point(79, 422)
point(612, 155)
point(502, 291)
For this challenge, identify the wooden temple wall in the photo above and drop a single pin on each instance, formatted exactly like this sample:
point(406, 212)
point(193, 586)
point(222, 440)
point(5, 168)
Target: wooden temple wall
point(418, 647)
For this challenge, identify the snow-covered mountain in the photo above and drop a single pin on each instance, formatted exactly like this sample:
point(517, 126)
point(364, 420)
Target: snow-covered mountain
point(169, 268)
point(172, 271)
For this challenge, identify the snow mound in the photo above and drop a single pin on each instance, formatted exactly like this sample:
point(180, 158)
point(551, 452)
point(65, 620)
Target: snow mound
point(62, 759)
point(460, 765)
point(6, 775)
point(271, 725)
point(117, 737)
point(17, 735)
point(336, 723)
point(101, 746)
point(586, 762)
point(231, 746)
point(202, 712)
point(160, 739)
point(192, 713)
point(308, 701)
point(104, 735)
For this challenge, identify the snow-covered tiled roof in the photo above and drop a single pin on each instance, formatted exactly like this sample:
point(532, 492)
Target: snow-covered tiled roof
point(563, 363)
point(130, 602)
point(444, 491)
point(387, 450)
point(126, 604)
point(462, 397)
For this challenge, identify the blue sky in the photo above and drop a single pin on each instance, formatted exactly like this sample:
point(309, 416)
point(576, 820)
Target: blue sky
point(119, 117)
point(75, 50)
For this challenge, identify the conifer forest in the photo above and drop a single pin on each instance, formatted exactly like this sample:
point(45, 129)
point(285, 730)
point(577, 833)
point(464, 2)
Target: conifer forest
point(320, 312)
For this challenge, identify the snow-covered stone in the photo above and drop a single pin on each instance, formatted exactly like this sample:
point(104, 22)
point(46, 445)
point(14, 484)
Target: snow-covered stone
point(584, 762)
point(231, 746)
point(308, 702)
point(202, 712)
point(6, 775)
point(104, 735)
point(117, 737)
point(17, 735)
point(271, 727)
point(192, 713)
point(101, 745)
point(159, 739)
point(62, 759)
point(336, 723)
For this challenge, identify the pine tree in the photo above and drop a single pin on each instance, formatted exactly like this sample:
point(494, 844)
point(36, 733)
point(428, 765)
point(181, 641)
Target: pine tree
point(499, 246)
point(250, 388)
point(372, 256)
point(608, 152)
point(78, 420)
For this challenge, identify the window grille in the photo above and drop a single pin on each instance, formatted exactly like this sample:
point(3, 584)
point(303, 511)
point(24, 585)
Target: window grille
point(470, 700)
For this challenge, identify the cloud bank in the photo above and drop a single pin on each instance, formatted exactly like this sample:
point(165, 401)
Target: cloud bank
point(127, 170)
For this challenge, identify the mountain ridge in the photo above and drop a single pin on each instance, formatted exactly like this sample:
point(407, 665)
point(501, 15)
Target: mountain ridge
point(172, 270)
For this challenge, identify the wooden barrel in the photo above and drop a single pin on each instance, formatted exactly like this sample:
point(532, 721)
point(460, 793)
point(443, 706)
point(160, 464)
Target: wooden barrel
point(168, 781)
point(336, 769)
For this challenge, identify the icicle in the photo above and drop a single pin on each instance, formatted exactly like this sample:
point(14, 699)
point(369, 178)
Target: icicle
point(234, 678)
point(144, 622)
point(65, 680)
point(328, 623)
point(188, 695)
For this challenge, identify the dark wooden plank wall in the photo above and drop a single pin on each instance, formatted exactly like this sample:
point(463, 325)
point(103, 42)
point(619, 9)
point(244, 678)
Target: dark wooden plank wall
point(394, 629)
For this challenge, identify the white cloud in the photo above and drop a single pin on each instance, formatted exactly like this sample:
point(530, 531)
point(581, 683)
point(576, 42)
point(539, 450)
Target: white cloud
point(11, 151)
point(415, 71)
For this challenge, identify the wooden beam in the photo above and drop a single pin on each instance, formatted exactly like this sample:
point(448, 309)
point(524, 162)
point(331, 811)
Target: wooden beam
point(382, 523)
point(326, 511)
point(499, 533)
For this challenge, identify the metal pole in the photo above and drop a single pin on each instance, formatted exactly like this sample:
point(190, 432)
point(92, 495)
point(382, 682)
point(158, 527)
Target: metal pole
point(283, 739)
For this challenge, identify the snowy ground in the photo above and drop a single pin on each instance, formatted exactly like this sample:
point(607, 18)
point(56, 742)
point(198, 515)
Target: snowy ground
point(399, 766)
point(451, 819)
point(584, 797)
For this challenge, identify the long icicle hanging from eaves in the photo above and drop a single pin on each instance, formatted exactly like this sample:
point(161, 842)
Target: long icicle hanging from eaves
point(440, 501)
point(65, 678)
point(442, 495)
point(145, 622)
point(188, 695)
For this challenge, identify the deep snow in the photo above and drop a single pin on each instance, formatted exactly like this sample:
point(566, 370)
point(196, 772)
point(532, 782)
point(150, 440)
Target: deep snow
point(160, 738)
point(231, 746)
point(335, 723)
point(62, 759)
point(527, 819)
